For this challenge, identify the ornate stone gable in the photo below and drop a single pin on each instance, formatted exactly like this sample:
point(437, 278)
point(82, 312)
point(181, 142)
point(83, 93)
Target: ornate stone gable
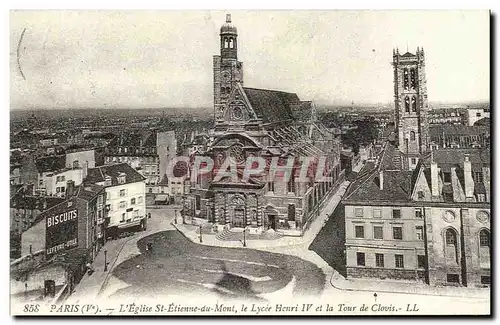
point(238, 109)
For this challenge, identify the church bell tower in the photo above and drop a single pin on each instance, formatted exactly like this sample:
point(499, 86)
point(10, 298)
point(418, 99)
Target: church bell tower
point(410, 104)
point(228, 71)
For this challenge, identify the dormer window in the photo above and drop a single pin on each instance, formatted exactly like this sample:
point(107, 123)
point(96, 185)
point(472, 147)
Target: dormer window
point(122, 178)
point(478, 177)
point(107, 181)
point(447, 177)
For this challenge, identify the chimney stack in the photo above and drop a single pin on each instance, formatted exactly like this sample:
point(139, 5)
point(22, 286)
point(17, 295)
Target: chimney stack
point(70, 188)
point(85, 169)
point(468, 181)
point(434, 177)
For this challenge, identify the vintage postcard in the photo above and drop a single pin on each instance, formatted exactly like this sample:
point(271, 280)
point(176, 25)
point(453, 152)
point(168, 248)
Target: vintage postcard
point(250, 163)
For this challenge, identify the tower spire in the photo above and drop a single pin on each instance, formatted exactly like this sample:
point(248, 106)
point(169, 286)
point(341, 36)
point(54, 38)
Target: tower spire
point(228, 18)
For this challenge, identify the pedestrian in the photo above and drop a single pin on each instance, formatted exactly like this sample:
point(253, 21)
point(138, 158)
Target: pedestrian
point(90, 270)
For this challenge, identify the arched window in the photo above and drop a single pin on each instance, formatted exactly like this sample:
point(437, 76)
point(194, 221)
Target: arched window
point(406, 84)
point(413, 78)
point(226, 43)
point(484, 238)
point(451, 246)
point(484, 248)
point(407, 104)
point(451, 237)
point(413, 104)
point(412, 136)
point(231, 44)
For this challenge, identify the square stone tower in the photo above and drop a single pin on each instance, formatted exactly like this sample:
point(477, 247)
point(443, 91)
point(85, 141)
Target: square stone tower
point(410, 104)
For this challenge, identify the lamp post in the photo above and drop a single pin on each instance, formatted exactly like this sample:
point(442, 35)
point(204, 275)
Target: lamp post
point(105, 260)
point(175, 218)
point(201, 239)
point(183, 211)
point(244, 237)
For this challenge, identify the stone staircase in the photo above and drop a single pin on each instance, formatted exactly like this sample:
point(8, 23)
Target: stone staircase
point(228, 235)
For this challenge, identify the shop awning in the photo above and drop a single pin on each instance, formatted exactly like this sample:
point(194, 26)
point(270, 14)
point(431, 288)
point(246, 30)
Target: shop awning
point(161, 197)
point(134, 223)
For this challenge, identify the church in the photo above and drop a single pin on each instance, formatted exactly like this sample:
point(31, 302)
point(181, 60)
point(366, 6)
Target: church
point(270, 124)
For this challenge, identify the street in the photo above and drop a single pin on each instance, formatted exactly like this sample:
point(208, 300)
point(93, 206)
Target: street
point(176, 265)
point(179, 268)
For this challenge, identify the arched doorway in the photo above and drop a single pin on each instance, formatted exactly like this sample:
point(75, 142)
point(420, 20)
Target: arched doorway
point(271, 216)
point(238, 217)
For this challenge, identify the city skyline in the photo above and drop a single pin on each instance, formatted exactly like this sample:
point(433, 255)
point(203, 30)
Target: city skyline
point(154, 59)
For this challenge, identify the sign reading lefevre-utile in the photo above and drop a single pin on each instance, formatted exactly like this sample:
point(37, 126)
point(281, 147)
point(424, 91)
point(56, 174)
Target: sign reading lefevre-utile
point(61, 231)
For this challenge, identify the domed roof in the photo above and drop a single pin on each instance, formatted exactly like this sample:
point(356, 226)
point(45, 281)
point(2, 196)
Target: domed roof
point(228, 28)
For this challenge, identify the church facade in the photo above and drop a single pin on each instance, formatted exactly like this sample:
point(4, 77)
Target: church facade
point(267, 130)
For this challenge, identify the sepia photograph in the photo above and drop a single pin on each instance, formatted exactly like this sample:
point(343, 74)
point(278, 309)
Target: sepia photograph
point(250, 162)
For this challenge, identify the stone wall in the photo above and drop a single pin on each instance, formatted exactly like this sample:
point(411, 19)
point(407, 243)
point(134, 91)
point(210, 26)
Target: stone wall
point(381, 273)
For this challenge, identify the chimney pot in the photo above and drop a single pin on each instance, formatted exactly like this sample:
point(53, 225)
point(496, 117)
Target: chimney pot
point(434, 179)
point(70, 188)
point(468, 181)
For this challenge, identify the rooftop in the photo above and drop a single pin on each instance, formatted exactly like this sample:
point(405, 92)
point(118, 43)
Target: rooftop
point(272, 105)
point(98, 174)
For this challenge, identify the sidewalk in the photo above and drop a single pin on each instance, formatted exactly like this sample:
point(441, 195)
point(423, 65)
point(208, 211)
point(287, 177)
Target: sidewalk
point(119, 250)
point(394, 286)
point(89, 286)
point(190, 231)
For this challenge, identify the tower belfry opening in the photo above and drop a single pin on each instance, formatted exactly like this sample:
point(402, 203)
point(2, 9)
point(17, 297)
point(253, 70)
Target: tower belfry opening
point(228, 71)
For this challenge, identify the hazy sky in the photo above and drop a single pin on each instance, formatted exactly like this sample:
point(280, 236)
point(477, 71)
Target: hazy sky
point(164, 58)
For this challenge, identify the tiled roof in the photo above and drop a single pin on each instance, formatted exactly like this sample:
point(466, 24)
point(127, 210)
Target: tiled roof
point(51, 163)
point(130, 139)
point(391, 158)
point(456, 157)
point(446, 159)
point(485, 121)
point(456, 129)
point(272, 105)
point(302, 112)
point(98, 174)
point(88, 191)
point(30, 202)
point(396, 187)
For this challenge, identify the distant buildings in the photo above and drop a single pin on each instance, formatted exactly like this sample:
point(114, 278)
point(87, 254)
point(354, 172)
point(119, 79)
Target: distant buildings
point(477, 113)
point(448, 116)
point(459, 136)
point(147, 152)
point(458, 115)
